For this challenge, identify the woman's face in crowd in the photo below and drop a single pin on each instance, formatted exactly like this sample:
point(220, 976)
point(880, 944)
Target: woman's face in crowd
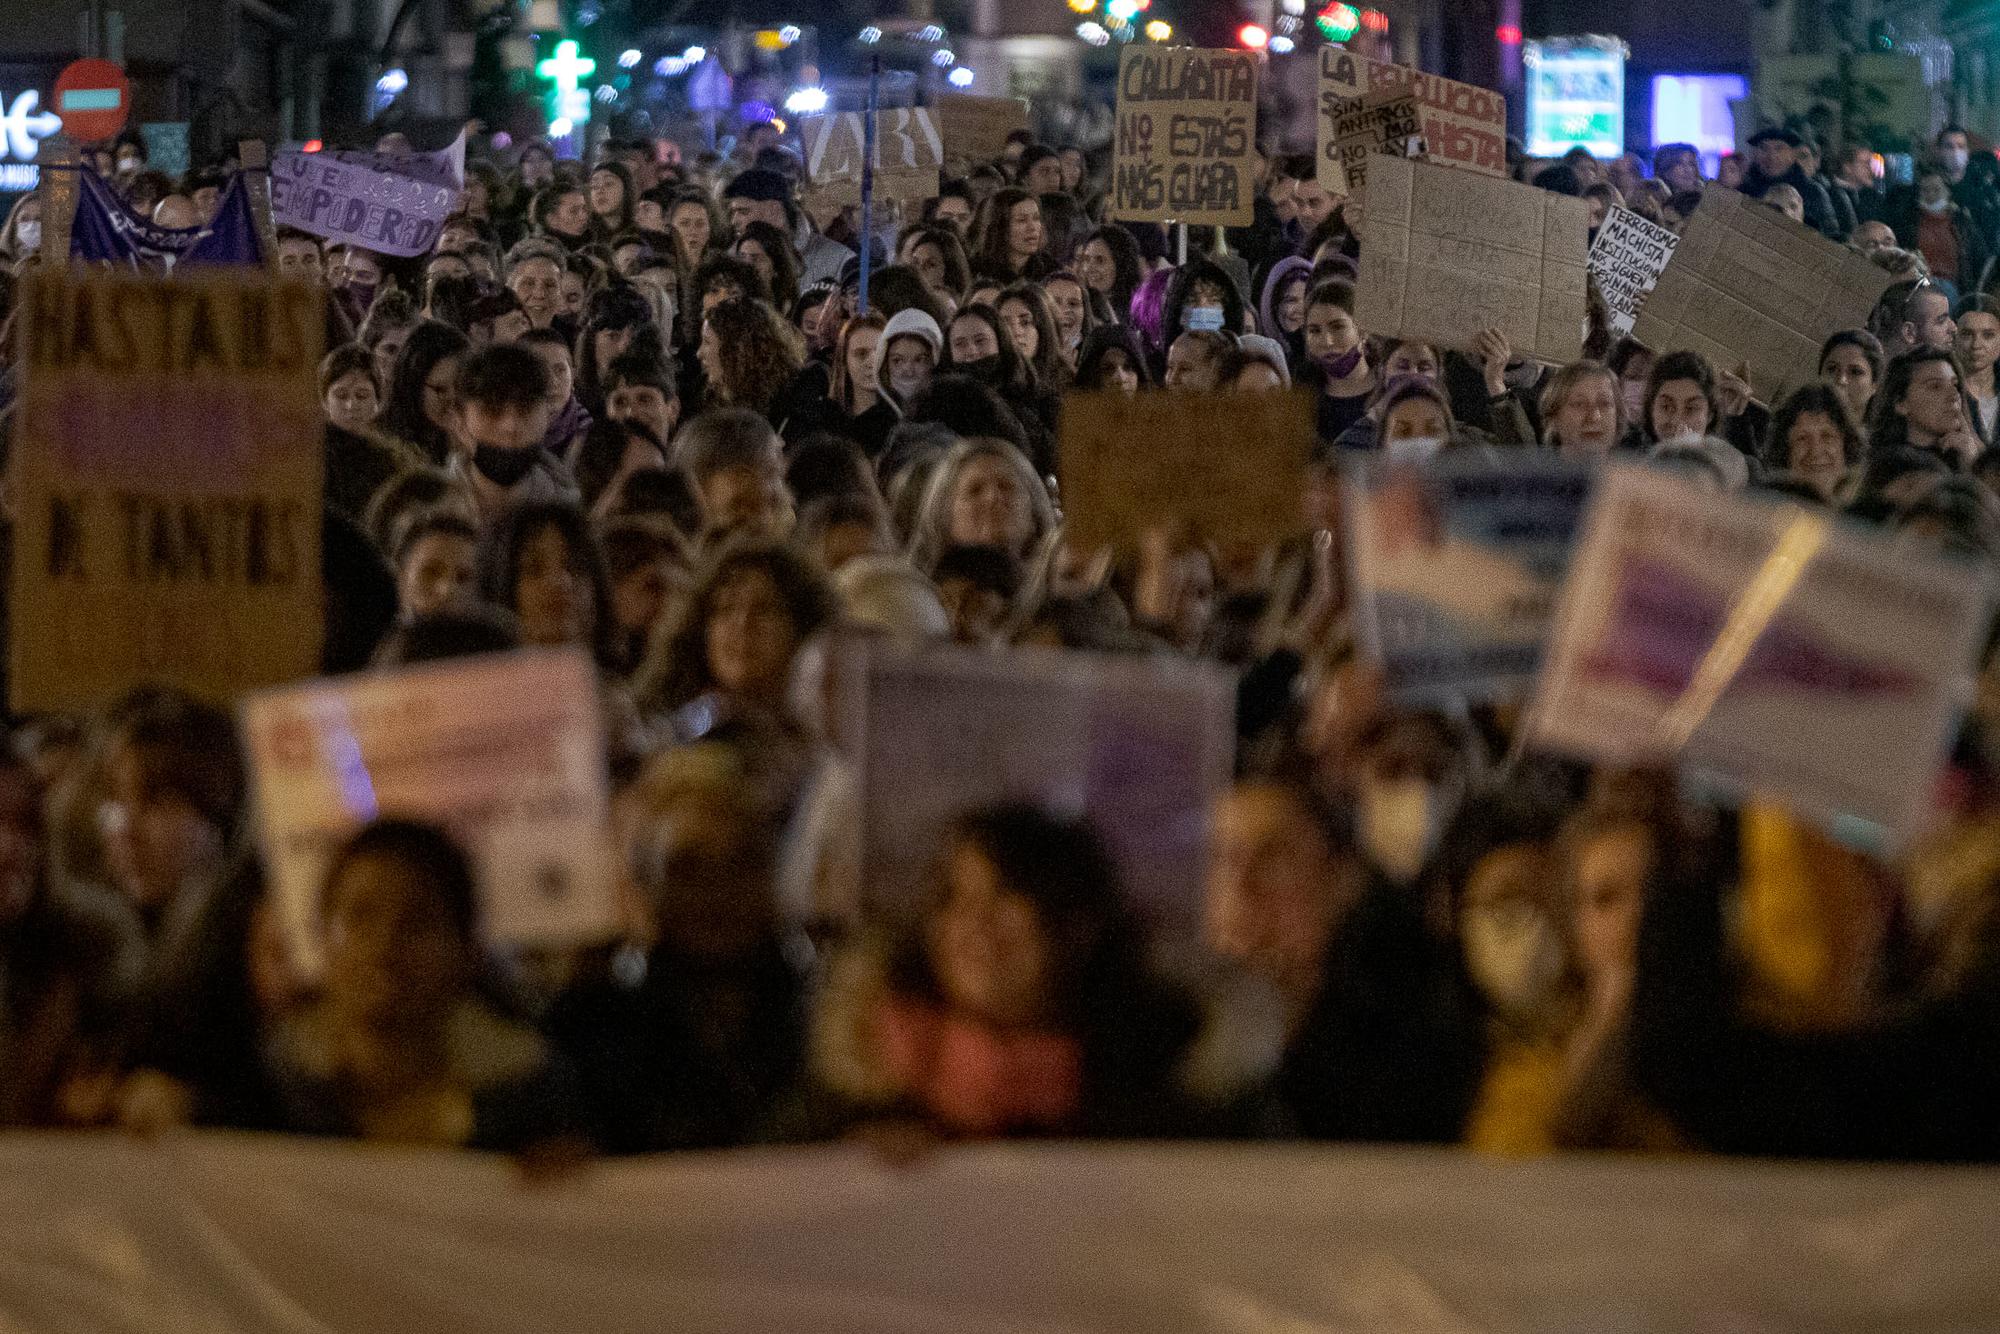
point(639, 598)
point(1610, 873)
point(1598, 208)
point(907, 367)
point(1330, 332)
point(351, 401)
point(551, 595)
point(1412, 359)
point(394, 953)
point(1066, 301)
point(987, 946)
point(1512, 949)
point(475, 202)
point(1024, 229)
point(1978, 341)
point(1846, 368)
point(1021, 324)
point(1259, 377)
point(1274, 889)
point(571, 214)
point(642, 403)
point(440, 396)
point(1632, 384)
point(1813, 448)
point(436, 573)
point(750, 636)
point(988, 507)
point(1680, 411)
point(953, 211)
point(1933, 404)
point(862, 345)
point(752, 253)
point(1190, 365)
point(691, 223)
point(153, 840)
point(1587, 421)
point(928, 261)
point(1291, 308)
point(611, 344)
point(1118, 371)
point(972, 339)
point(537, 285)
point(607, 194)
point(647, 215)
point(1096, 267)
point(1415, 419)
point(570, 286)
point(562, 379)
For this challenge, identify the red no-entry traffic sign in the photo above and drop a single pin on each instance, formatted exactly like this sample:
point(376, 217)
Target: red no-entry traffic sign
point(93, 99)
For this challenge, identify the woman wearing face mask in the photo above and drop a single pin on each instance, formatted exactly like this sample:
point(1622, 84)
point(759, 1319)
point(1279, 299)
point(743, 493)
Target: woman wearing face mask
point(1815, 439)
point(1952, 243)
point(1338, 359)
point(1202, 298)
point(1405, 361)
point(1010, 243)
point(1024, 308)
point(540, 562)
point(22, 236)
point(420, 389)
point(1112, 359)
point(911, 347)
point(1852, 361)
point(978, 343)
point(1408, 772)
point(984, 493)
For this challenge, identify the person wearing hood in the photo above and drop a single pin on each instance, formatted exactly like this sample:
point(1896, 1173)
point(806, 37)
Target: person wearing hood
point(1281, 309)
point(911, 348)
point(1950, 237)
point(1777, 163)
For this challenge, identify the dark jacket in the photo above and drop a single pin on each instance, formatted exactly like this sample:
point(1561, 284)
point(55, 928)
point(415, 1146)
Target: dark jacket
point(1975, 251)
point(1819, 209)
point(1865, 205)
point(1844, 216)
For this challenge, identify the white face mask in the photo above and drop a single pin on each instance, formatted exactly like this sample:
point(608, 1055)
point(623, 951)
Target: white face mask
point(1955, 159)
point(1686, 435)
point(908, 384)
point(1413, 449)
point(1203, 319)
point(28, 237)
point(1935, 205)
point(128, 164)
point(1513, 955)
point(1400, 822)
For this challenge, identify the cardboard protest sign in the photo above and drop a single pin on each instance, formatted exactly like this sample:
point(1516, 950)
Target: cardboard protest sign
point(1455, 568)
point(1627, 260)
point(1769, 647)
point(1386, 121)
point(909, 151)
point(1186, 137)
point(1462, 124)
point(505, 752)
point(166, 480)
point(1231, 465)
point(1445, 254)
point(1140, 746)
point(976, 128)
point(379, 203)
point(1748, 285)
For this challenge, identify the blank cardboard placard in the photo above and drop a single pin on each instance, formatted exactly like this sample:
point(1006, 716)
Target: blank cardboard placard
point(909, 152)
point(1749, 285)
point(1232, 465)
point(167, 480)
point(976, 128)
point(1446, 254)
point(1186, 137)
point(1464, 125)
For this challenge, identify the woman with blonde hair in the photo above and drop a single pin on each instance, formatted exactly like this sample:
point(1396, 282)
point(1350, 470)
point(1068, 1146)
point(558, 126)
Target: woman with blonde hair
point(984, 494)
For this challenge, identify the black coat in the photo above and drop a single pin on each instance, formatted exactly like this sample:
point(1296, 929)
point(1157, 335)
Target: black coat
point(1819, 209)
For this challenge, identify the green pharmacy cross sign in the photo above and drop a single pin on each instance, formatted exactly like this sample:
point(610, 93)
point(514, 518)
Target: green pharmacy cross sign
point(569, 105)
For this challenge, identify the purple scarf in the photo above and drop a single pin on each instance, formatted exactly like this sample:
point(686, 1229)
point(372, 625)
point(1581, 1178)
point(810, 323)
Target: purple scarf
point(569, 423)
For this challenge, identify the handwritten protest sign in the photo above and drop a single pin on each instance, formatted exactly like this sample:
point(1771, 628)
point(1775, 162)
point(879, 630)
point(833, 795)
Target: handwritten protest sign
point(1455, 568)
point(1627, 259)
point(1763, 645)
point(1748, 285)
point(166, 478)
point(1445, 254)
point(1386, 121)
point(1231, 465)
point(909, 151)
point(1186, 136)
point(1463, 125)
point(976, 128)
point(1139, 746)
point(506, 752)
point(394, 203)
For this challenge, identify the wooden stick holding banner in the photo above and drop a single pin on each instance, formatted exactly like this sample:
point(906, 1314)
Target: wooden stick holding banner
point(868, 178)
point(1180, 243)
point(56, 190)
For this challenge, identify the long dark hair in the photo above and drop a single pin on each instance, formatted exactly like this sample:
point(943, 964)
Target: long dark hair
point(676, 669)
point(784, 260)
point(1889, 429)
point(619, 306)
point(1126, 268)
point(991, 254)
point(950, 248)
point(1103, 340)
point(429, 343)
point(627, 202)
point(500, 566)
point(1017, 374)
point(1181, 289)
point(1812, 398)
point(1050, 368)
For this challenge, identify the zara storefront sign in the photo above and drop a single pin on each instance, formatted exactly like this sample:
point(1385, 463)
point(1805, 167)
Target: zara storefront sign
point(24, 123)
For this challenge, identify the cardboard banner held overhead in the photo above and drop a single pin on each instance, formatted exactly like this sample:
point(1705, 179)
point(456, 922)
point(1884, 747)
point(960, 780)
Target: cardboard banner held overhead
point(506, 752)
point(1627, 260)
point(166, 478)
point(1383, 122)
point(1185, 146)
point(1231, 465)
point(1464, 125)
point(976, 128)
point(1445, 254)
point(393, 204)
point(1455, 568)
point(1760, 644)
point(909, 152)
point(1749, 285)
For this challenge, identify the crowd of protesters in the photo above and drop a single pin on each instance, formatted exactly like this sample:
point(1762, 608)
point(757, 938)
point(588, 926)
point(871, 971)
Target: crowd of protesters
point(636, 407)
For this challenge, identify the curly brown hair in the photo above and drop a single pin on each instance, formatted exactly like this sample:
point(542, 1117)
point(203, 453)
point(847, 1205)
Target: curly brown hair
point(759, 354)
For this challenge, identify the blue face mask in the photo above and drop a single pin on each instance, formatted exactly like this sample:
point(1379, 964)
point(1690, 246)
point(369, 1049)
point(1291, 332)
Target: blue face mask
point(1202, 319)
